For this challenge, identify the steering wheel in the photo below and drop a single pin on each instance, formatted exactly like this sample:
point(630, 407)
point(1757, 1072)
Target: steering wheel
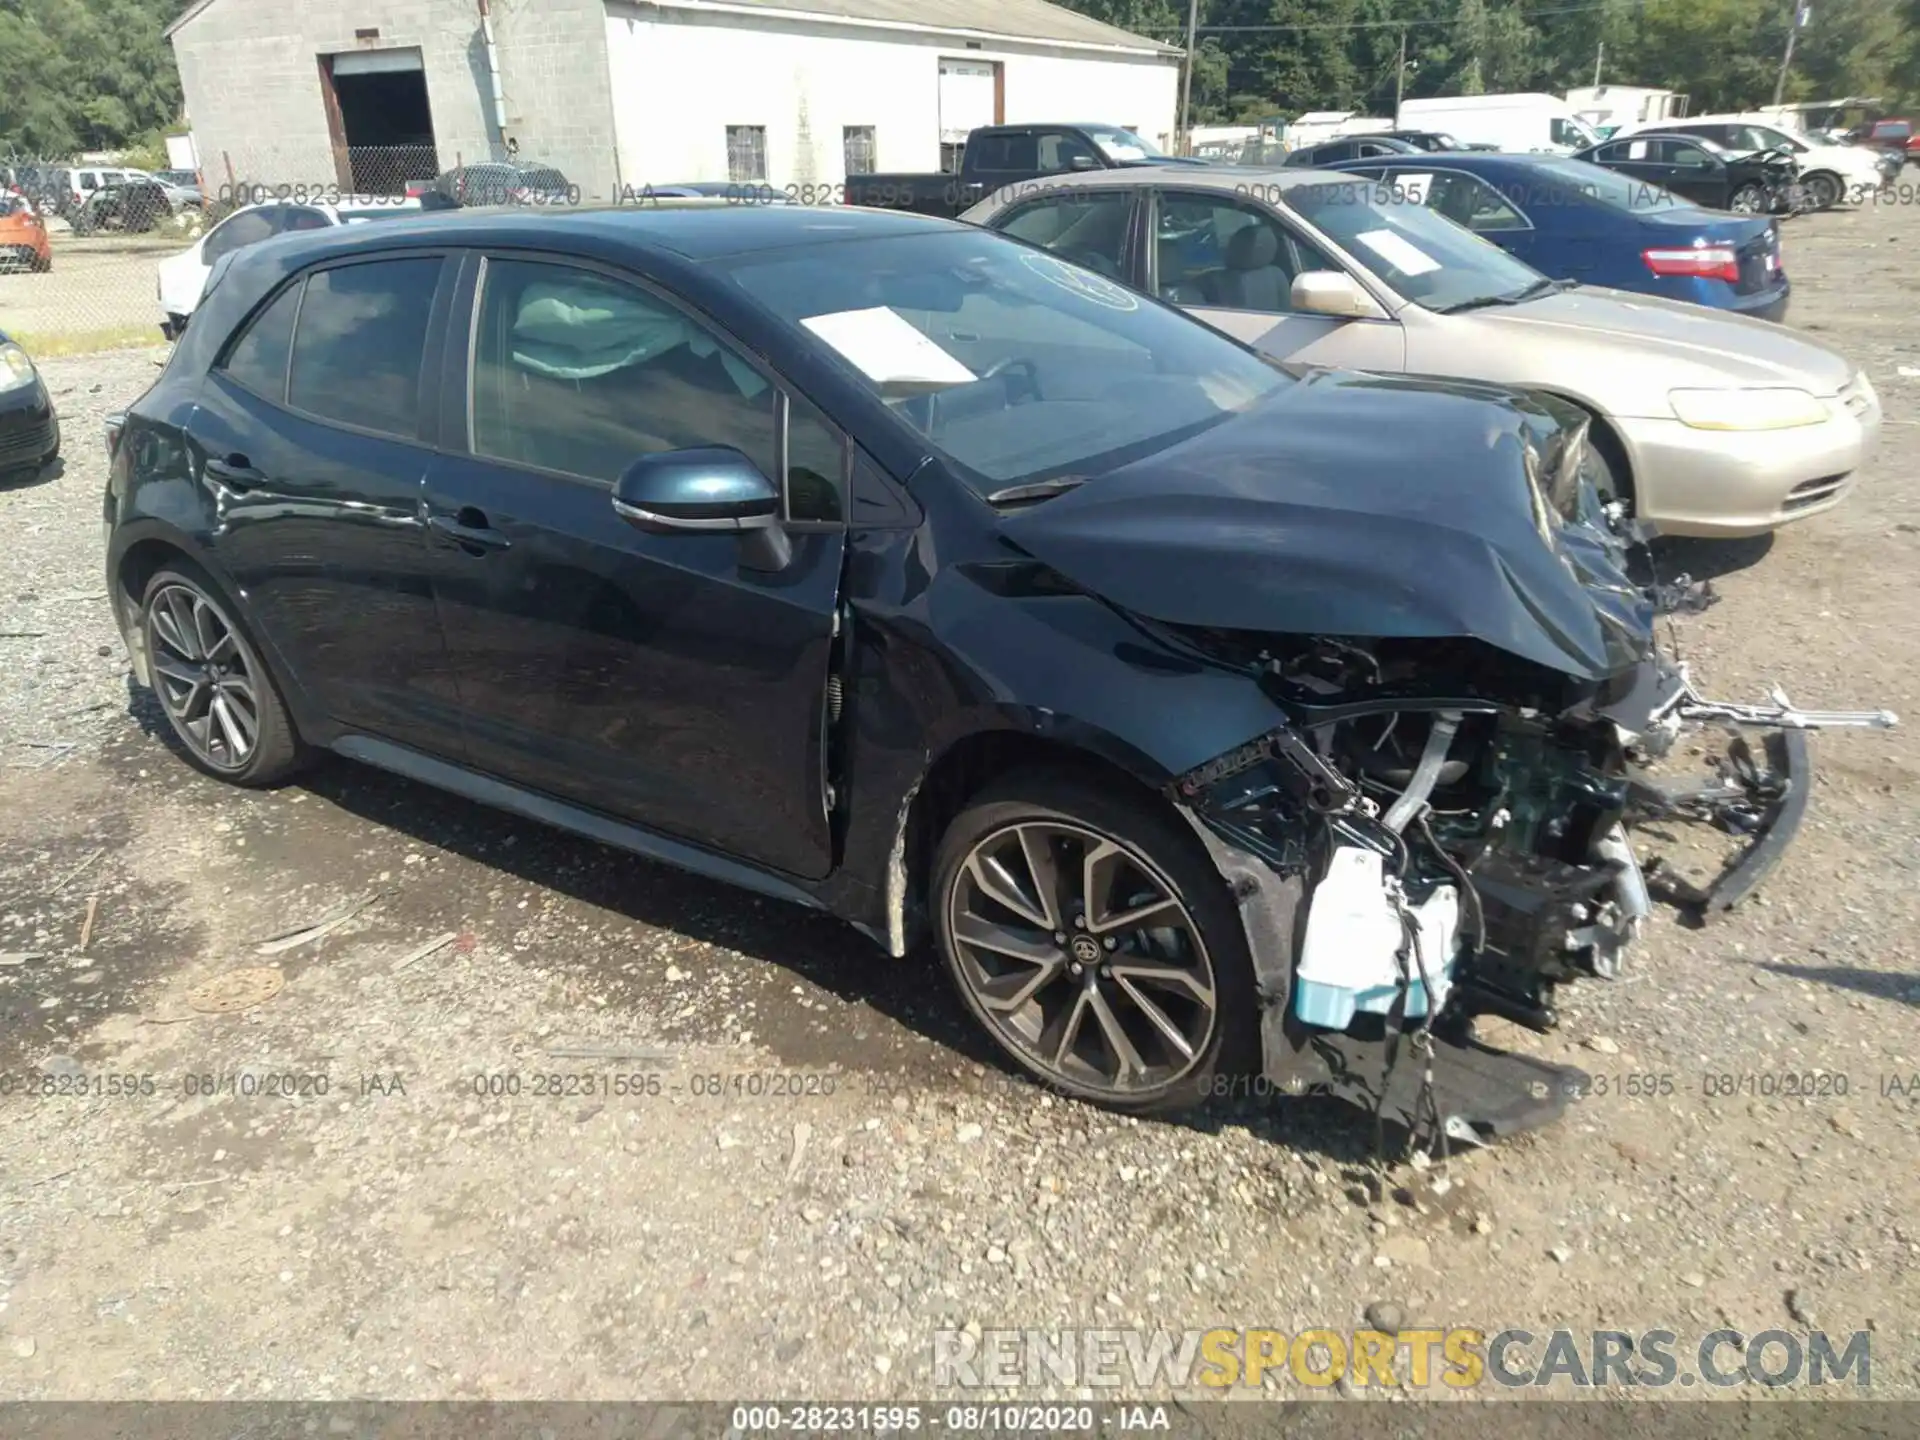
point(1005, 367)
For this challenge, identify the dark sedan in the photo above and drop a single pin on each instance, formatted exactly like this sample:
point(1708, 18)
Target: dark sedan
point(495, 183)
point(904, 571)
point(29, 428)
point(1696, 169)
point(1350, 147)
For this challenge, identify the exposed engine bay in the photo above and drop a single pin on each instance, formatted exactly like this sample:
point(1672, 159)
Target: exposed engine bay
point(1457, 819)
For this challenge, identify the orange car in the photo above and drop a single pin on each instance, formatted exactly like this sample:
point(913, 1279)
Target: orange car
point(23, 236)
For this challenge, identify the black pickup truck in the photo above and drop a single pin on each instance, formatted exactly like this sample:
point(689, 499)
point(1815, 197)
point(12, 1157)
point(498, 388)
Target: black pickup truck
point(999, 155)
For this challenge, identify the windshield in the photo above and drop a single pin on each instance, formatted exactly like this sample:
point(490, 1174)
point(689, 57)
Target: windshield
point(1569, 130)
point(1118, 144)
point(1013, 364)
point(1419, 253)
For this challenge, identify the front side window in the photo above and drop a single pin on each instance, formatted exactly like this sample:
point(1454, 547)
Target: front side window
point(816, 465)
point(1470, 201)
point(581, 373)
point(1090, 230)
point(1216, 251)
point(1059, 149)
point(360, 343)
point(1011, 363)
point(258, 359)
point(1691, 157)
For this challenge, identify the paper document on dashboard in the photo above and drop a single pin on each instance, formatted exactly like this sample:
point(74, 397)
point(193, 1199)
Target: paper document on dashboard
point(887, 349)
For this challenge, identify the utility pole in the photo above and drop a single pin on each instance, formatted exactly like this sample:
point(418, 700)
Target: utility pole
point(1599, 55)
point(1400, 76)
point(1186, 80)
point(1801, 14)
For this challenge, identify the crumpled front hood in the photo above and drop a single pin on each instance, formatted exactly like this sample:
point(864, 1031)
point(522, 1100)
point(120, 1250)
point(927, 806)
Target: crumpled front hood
point(1356, 505)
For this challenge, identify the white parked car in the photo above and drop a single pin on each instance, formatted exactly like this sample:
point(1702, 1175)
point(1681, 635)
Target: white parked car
point(184, 276)
point(1830, 173)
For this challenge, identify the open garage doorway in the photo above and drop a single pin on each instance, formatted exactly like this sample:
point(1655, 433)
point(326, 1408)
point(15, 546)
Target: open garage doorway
point(379, 119)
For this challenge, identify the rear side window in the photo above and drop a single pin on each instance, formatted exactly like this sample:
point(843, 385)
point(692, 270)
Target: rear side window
point(258, 360)
point(360, 344)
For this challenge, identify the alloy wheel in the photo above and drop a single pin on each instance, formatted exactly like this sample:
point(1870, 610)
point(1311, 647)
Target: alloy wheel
point(1076, 950)
point(203, 676)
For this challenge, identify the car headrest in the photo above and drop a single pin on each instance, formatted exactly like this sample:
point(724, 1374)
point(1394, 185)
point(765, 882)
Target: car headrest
point(1252, 247)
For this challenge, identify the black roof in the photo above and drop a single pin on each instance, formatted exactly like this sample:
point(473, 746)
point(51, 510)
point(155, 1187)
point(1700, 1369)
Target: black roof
point(693, 230)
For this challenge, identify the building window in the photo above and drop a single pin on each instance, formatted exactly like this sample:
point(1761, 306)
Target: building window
point(746, 152)
point(856, 143)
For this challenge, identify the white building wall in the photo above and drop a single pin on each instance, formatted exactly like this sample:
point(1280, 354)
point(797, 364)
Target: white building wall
point(680, 79)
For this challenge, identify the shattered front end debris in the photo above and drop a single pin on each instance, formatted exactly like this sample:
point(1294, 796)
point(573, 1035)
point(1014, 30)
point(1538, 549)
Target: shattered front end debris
point(1429, 855)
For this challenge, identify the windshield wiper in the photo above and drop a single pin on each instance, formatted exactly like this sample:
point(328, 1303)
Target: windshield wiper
point(1542, 286)
point(1035, 490)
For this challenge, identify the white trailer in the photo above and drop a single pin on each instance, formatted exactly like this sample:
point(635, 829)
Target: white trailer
point(1608, 107)
point(1543, 124)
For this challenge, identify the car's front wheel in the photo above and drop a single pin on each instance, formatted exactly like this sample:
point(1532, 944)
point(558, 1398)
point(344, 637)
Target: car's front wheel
point(219, 700)
point(1748, 200)
point(1091, 936)
point(1823, 191)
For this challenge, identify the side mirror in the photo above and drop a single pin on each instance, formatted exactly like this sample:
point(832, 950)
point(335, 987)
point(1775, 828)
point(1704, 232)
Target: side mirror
point(1083, 162)
point(710, 488)
point(1334, 293)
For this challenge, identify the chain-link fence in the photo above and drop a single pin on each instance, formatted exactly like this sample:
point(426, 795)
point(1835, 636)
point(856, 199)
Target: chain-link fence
point(95, 254)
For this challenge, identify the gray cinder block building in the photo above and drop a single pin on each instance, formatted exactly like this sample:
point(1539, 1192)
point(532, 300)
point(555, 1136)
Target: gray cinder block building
point(364, 94)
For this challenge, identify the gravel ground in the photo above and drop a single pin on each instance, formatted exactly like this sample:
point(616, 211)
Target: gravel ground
point(832, 1168)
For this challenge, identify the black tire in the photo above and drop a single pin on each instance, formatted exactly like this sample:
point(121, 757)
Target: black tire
point(1604, 475)
point(1748, 200)
point(277, 752)
point(1823, 190)
point(1177, 861)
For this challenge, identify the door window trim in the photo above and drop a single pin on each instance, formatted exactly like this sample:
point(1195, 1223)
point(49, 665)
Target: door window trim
point(426, 418)
point(1291, 227)
point(469, 357)
point(245, 328)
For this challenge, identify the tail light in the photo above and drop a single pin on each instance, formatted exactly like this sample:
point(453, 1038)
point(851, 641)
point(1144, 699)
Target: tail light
point(416, 188)
point(116, 424)
point(1702, 262)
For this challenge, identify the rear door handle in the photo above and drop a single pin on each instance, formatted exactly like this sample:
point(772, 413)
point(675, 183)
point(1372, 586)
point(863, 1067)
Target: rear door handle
point(234, 472)
point(469, 529)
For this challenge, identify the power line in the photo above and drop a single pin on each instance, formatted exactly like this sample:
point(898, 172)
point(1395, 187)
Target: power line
point(1586, 9)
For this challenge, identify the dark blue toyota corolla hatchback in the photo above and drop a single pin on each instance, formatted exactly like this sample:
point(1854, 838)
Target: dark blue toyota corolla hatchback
point(1575, 221)
point(905, 571)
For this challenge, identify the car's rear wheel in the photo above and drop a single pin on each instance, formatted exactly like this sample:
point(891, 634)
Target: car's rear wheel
point(219, 700)
point(1096, 943)
point(1748, 200)
point(1823, 190)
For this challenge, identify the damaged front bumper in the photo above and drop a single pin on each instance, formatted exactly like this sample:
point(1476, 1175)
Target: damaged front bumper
point(1541, 904)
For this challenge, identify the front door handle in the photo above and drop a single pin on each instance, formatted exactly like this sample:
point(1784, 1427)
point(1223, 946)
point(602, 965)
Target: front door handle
point(234, 472)
point(470, 530)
